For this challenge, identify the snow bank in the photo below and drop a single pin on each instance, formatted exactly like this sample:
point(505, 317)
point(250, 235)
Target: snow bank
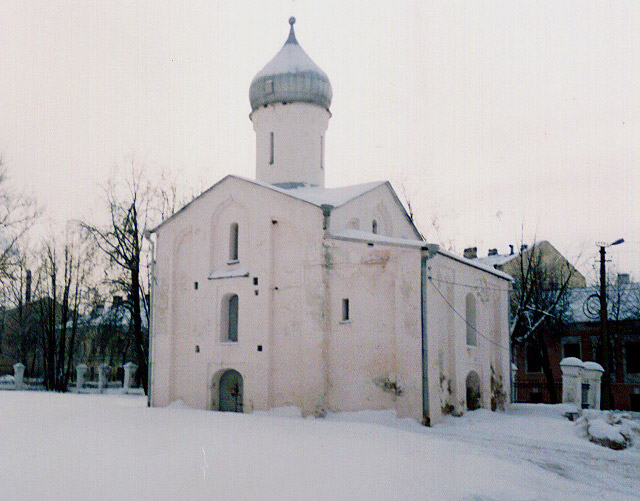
point(83, 446)
point(605, 434)
point(614, 430)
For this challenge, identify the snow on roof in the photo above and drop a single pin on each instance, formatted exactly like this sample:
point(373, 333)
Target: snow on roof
point(363, 236)
point(314, 195)
point(623, 303)
point(497, 259)
point(291, 76)
point(357, 235)
point(475, 263)
point(501, 259)
point(317, 195)
point(114, 314)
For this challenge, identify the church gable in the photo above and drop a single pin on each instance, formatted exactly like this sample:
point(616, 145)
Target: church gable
point(377, 211)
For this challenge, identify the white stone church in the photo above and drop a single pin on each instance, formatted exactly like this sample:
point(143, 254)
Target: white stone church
point(281, 292)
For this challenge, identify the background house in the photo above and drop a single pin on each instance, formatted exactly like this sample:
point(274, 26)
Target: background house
point(515, 262)
point(575, 332)
point(21, 335)
point(580, 338)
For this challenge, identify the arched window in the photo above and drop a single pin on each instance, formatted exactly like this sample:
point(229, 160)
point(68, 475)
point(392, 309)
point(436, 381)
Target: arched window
point(229, 318)
point(233, 242)
point(471, 319)
point(374, 226)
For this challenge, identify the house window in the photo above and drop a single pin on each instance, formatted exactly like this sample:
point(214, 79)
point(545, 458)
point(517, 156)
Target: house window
point(632, 357)
point(233, 242)
point(345, 310)
point(229, 317)
point(374, 226)
point(571, 349)
point(271, 155)
point(533, 358)
point(470, 308)
point(322, 152)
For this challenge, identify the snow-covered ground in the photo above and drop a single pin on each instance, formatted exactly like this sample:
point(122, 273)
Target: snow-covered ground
point(71, 446)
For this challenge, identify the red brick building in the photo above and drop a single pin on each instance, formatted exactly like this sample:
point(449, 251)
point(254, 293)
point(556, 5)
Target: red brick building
point(580, 338)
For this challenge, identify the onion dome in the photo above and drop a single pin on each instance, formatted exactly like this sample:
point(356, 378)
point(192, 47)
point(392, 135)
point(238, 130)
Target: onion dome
point(290, 77)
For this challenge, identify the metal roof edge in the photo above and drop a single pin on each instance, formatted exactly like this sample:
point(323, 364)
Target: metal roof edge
point(479, 266)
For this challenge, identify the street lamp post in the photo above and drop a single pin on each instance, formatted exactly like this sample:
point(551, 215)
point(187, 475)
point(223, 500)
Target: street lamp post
point(607, 397)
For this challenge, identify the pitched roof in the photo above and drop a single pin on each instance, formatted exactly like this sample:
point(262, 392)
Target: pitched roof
point(317, 195)
point(623, 303)
point(314, 195)
point(502, 259)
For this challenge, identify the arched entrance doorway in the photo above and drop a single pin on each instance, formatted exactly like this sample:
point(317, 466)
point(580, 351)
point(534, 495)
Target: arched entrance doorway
point(474, 395)
point(230, 392)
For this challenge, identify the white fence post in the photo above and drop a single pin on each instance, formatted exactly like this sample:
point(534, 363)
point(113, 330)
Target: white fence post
point(129, 371)
point(592, 375)
point(103, 372)
point(18, 375)
point(81, 370)
point(572, 381)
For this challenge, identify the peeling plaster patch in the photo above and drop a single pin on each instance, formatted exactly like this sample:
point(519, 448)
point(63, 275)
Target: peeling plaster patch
point(380, 258)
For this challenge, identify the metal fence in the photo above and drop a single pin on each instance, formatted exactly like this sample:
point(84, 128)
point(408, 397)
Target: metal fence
point(535, 393)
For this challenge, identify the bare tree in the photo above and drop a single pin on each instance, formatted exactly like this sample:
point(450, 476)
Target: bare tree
point(64, 287)
point(18, 213)
point(134, 206)
point(128, 203)
point(538, 305)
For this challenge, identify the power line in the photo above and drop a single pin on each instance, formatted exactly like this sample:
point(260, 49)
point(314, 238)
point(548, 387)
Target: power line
point(471, 286)
point(465, 320)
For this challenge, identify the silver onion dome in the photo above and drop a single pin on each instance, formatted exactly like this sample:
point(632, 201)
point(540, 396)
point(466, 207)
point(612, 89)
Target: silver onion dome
point(290, 77)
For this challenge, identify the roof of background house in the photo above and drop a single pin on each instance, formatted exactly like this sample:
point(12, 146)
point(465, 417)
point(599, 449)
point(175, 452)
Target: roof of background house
point(584, 303)
point(502, 259)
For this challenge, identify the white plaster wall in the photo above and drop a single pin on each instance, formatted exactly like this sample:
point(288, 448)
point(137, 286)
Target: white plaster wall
point(192, 246)
point(379, 204)
point(297, 129)
point(451, 360)
point(310, 358)
point(382, 338)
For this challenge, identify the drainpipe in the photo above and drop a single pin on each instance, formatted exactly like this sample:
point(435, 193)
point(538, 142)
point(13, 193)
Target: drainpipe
point(326, 307)
point(427, 253)
point(147, 235)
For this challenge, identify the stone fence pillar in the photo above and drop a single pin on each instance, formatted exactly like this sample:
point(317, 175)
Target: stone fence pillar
point(572, 369)
point(18, 375)
point(592, 376)
point(129, 372)
point(103, 372)
point(81, 370)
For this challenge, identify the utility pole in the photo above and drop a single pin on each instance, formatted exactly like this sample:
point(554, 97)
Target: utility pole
point(606, 396)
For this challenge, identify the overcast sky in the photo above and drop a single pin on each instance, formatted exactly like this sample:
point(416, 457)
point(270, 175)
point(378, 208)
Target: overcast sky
point(494, 118)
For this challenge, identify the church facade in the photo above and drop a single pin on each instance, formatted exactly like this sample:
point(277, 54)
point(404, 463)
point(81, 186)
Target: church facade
point(278, 291)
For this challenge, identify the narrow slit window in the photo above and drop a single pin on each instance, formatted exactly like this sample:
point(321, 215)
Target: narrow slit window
point(233, 242)
point(374, 227)
point(322, 152)
point(345, 310)
point(271, 145)
point(230, 318)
